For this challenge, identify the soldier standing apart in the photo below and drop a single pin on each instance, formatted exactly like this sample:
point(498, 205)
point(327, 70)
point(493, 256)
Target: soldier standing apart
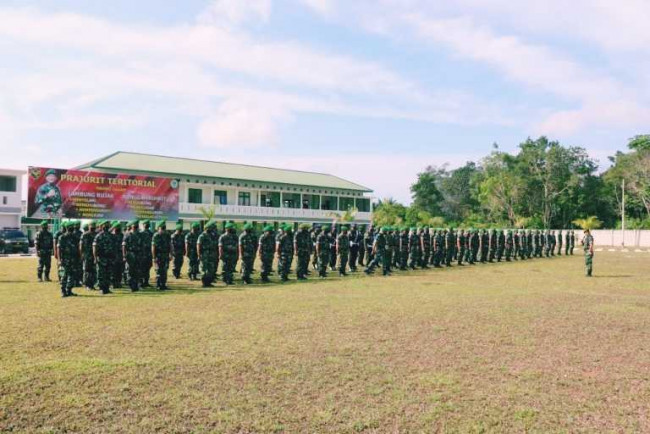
point(178, 250)
point(44, 244)
point(103, 250)
point(323, 251)
point(87, 258)
point(68, 252)
point(267, 252)
point(302, 246)
point(161, 252)
point(228, 252)
point(131, 251)
point(247, 250)
point(190, 250)
point(146, 261)
point(588, 247)
point(343, 250)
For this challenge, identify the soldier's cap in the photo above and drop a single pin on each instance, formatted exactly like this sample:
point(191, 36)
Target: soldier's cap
point(268, 228)
point(305, 226)
point(326, 228)
point(196, 225)
point(92, 223)
point(105, 223)
point(77, 223)
point(51, 172)
point(179, 226)
point(248, 226)
point(344, 228)
point(211, 224)
point(64, 224)
point(115, 225)
point(230, 225)
point(85, 226)
point(134, 223)
point(44, 223)
point(288, 227)
point(145, 222)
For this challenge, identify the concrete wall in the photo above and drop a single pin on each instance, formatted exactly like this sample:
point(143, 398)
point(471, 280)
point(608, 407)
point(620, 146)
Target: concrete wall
point(615, 237)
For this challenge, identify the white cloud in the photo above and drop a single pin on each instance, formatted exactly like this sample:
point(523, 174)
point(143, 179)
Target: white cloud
point(322, 7)
point(235, 12)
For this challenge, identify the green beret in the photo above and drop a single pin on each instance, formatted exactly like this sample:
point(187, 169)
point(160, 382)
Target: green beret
point(210, 224)
point(50, 172)
point(326, 228)
point(196, 225)
point(179, 226)
point(305, 226)
point(77, 223)
point(413, 229)
point(145, 222)
point(248, 226)
point(85, 226)
point(64, 224)
point(133, 223)
point(44, 223)
point(230, 225)
point(115, 225)
point(288, 227)
point(92, 223)
point(268, 228)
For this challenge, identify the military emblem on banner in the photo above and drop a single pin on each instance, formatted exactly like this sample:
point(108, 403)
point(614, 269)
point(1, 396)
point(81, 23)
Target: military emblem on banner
point(35, 172)
point(174, 183)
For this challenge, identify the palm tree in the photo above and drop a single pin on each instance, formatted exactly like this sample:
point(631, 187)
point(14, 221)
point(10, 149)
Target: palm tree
point(208, 213)
point(588, 223)
point(346, 217)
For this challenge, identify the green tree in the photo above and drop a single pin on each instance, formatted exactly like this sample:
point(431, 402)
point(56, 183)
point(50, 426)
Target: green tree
point(590, 223)
point(425, 193)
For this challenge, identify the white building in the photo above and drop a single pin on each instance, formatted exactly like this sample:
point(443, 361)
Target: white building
point(246, 193)
point(11, 186)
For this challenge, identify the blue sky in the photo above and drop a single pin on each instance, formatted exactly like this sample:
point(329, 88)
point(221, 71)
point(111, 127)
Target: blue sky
point(373, 91)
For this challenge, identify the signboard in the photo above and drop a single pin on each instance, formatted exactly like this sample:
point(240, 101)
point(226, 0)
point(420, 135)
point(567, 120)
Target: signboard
point(80, 194)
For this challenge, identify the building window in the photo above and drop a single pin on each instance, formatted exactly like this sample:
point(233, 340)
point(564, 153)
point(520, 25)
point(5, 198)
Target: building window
point(195, 195)
point(270, 199)
point(311, 201)
point(345, 203)
point(329, 203)
point(363, 205)
point(220, 197)
point(244, 198)
point(291, 200)
point(8, 183)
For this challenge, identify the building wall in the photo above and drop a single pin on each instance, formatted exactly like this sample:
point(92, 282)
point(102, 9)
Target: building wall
point(10, 201)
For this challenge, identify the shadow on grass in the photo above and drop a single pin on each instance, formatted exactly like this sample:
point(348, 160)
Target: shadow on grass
point(619, 276)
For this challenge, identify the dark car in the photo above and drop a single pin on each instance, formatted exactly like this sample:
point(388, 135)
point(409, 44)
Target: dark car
point(13, 241)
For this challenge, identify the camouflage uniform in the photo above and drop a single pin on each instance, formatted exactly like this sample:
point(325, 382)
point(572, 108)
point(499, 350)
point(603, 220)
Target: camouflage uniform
point(68, 254)
point(208, 253)
point(368, 240)
point(397, 253)
point(567, 242)
point(509, 244)
point(356, 240)
point(178, 251)
point(379, 246)
point(229, 253)
point(460, 245)
point(333, 255)
point(247, 250)
point(267, 252)
point(132, 250)
point(118, 261)
point(403, 249)
point(44, 243)
point(302, 246)
point(87, 258)
point(162, 243)
point(414, 249)
point(573, 242)
point(343, 250)
point(190, 250)
point(78, 265)
point(284, 248)
point(559, 243)
point(146, 260)
point(450, 244)
point(314, 235)
point(323, 250)
point(59, 266)
point(474, 244)
point(104, 249)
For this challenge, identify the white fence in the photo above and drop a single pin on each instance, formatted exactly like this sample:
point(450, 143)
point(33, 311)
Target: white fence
point(615, 237)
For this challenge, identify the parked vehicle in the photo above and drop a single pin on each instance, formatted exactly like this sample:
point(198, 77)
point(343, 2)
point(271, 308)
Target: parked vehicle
point(13, 241)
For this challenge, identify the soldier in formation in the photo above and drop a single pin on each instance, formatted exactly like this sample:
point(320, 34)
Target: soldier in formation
point(44, 244)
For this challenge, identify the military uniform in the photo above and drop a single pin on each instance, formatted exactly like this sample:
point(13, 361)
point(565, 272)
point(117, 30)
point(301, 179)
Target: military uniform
point(44, 244)
point(284, 250)
point(190, 250)
point(509, 245)
point(343, 250)
point(161, 249)
point(267, 252)
point(323, 250)
point(207, 249)
point(178, 250)
point(118, 258)
point(131, 251)
point(559, 243)
point(460, 245)
point(368, 240)
point(247, 251)
point(379, 251)
point(302, 246)
point(103, 249)
point(68, 253)
point(87, 257)
point(229, 253)
point(403, 249)
point(146, 260)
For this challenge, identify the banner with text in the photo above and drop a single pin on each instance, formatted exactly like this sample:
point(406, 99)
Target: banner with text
point(79, 194)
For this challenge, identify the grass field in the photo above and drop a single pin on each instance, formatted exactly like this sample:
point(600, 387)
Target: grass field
point(518, 347)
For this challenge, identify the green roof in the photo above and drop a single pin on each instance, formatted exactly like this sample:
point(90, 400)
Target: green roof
point(174, 166)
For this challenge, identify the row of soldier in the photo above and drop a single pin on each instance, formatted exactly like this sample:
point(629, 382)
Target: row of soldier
point(103, 256)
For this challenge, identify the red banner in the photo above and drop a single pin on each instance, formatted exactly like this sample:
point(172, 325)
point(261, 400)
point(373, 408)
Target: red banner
point(57, 193)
